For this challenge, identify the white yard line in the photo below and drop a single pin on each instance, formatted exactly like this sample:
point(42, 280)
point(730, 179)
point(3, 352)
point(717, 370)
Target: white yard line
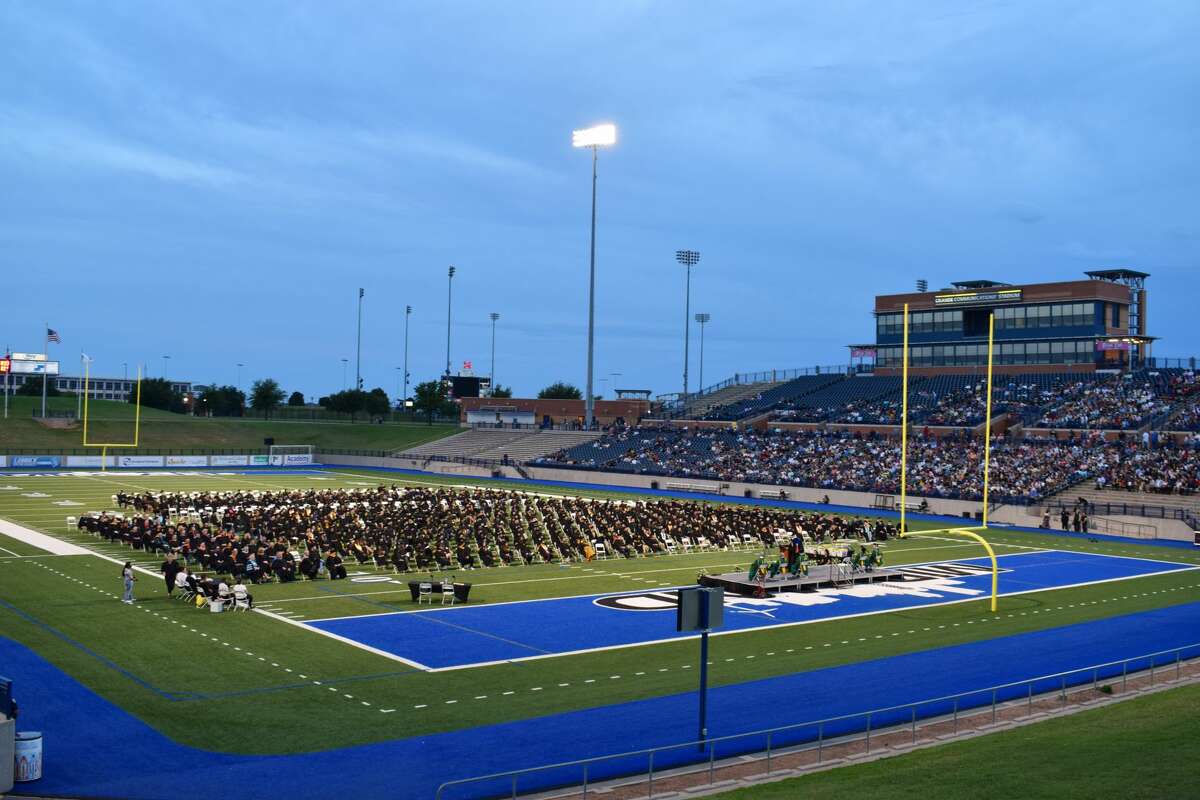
point(39, 540)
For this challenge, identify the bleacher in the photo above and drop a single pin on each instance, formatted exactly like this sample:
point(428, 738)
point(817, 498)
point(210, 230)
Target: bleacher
point(762, 402)
point(836, 400)
point(537, 444)
point(700, 404)
point(466, 444)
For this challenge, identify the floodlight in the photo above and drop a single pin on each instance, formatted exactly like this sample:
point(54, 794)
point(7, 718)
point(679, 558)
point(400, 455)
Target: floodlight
point(596, 136)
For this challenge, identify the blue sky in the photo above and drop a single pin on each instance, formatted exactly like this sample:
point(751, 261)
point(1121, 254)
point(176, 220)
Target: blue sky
point(215, 180)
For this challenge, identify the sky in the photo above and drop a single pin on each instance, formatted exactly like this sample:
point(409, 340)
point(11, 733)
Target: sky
point(214, 181)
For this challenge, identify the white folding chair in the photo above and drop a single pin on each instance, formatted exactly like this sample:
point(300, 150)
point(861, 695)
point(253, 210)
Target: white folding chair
point(448, 592)
point(241, 598)
point(601, 551)
point(71, 522)
point(425, 593)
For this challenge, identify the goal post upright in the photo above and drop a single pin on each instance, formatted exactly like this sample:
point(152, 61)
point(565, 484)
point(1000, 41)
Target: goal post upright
point(904, 430)
point(987, 421)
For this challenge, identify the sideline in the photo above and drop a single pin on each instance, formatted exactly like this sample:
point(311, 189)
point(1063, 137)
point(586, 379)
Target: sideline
point(40, 540)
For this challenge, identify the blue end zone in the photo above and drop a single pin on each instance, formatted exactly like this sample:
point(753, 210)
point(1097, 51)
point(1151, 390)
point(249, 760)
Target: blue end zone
point(473, 635)
point(96, 749)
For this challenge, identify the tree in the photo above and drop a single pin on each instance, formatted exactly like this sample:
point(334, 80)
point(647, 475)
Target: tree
point(377, 402)
point(501, 391)
point(32, 387)
point(296, 399)
point(430, 397)
point(560, 391)
point(265, 396)
point(158, 393)
point(349, 401)
point(222, 401)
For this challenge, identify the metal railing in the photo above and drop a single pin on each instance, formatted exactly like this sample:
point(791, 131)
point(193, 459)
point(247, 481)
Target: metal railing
point(1149, 511)
point(813, 735)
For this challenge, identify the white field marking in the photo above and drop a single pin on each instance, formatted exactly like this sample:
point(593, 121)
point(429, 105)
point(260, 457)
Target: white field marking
point(1186, 568)
point(11, 553)
point(39, 540)
point(344, 640)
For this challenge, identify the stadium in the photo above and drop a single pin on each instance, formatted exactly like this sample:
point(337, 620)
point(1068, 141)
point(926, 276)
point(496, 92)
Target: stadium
point(958, 553)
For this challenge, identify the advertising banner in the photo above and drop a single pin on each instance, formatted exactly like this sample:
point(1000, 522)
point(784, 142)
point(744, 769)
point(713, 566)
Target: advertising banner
point(3, 461)
point(1114, 346)
point(33, 367)
point(187, 461)
point(87, 461)
point(139, 461)
point(293, 459)
point(260, 461)
point(35, 461)
point(229, 461)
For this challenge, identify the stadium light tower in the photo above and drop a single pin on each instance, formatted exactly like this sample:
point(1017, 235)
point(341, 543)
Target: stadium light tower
point(595, 137)
point(358, 382)
point(449, 289)
point(703, 319)
point(492, 379)
point(345, 361)
point(165, 360)
point(689, 259)
point(239, 383)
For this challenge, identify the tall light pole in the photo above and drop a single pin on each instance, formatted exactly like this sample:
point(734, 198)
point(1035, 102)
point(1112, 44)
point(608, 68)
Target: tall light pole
point(702, 318)
point(492, 378)
point(358, 384)
point(345, 361)
point(239, 383)
point(165, 360)
point(449, 291)
point(125, 367)
point(595, 138)
point(407, 314)
point(399, 377)
point(688, 258)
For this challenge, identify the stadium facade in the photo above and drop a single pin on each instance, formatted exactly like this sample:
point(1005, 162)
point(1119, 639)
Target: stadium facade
point(98, 388)
point(1098, 323)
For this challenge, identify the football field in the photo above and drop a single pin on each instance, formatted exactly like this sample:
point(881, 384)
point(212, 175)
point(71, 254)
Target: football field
point(546, 662)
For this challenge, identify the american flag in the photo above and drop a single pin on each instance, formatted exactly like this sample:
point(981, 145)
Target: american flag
point(52, 336)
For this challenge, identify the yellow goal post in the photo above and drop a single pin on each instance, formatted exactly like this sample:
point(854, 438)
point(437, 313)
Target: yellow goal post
point(987, 455)
point(137, 418)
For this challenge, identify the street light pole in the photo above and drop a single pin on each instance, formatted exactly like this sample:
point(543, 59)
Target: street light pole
point(407, 314)
point(345, 361)
point(449, 294)
point(702, 318)
point(239, 383)
point(594, 138)
point(165, 359)
point(688, 258)
point(492, 379)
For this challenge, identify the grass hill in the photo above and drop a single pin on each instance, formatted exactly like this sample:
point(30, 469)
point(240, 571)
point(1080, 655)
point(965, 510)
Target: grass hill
point(110, 421)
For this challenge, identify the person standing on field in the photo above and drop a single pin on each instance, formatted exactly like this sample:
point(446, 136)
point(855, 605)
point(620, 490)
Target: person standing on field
point(128, 578)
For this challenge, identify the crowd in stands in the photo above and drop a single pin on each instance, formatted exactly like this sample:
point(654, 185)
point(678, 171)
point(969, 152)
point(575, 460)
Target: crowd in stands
point(1086, 401)
point(288, 535)
point(1021, 470)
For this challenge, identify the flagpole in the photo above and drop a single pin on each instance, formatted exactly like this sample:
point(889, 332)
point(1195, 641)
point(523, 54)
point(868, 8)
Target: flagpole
point(45, 367)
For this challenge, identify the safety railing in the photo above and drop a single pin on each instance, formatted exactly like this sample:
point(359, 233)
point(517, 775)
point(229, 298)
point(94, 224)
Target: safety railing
point(814, 735)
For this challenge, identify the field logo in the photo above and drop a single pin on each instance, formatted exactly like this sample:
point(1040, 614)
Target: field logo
point(648, 601)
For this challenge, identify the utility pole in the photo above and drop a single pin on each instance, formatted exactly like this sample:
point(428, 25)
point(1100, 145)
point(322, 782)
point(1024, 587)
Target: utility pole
point(407, 314)
point(492, 379)
point(358, 384)
point(449, 293)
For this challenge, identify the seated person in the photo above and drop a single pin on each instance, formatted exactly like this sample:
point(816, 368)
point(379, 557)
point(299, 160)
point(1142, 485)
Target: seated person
point(333, 564)
point(310, 565)
point(181, 580)
point(240, 592)
point(285, 568)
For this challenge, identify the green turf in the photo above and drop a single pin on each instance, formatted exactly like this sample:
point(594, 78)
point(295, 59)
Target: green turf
point(110, 421)
point(1139, 748)
point(173, 646)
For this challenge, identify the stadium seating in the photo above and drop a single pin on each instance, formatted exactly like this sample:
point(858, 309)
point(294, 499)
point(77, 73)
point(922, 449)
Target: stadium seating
point(769, 399)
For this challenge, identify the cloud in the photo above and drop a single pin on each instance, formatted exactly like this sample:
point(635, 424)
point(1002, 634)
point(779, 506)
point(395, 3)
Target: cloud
point(61, 143)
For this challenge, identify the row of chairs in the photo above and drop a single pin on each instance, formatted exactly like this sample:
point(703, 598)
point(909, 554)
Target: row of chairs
point(238, 599)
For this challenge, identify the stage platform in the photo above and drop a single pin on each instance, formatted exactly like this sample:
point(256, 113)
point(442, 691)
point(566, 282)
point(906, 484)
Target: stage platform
point(821, 576)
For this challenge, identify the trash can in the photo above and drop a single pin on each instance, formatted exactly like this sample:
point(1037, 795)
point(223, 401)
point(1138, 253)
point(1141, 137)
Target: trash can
point(27, 756)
